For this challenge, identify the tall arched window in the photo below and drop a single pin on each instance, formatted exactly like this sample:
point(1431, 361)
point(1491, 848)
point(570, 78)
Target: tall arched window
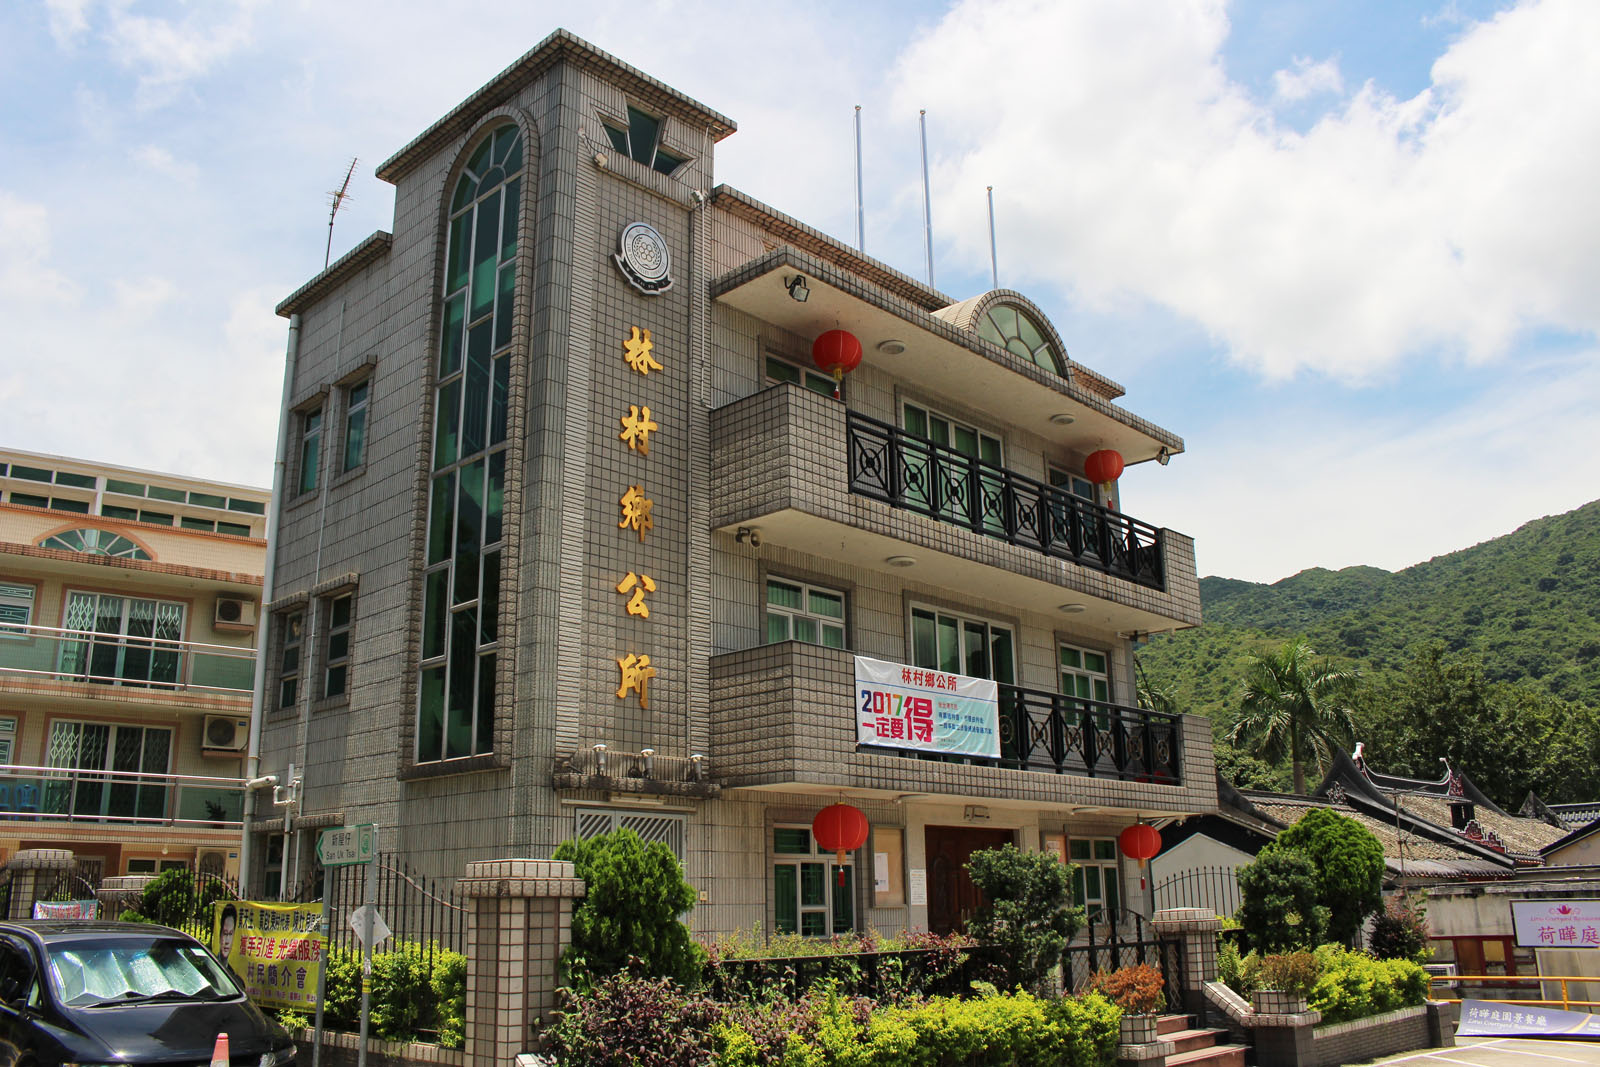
point(455, 714)
point(1014, 330)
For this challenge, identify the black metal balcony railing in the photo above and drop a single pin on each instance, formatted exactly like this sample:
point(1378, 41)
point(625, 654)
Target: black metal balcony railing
point(907, 471)
point(1045, 731)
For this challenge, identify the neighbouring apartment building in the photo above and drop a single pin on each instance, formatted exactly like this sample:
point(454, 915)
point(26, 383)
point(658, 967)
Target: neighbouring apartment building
point(575, 536)
point(129, 603)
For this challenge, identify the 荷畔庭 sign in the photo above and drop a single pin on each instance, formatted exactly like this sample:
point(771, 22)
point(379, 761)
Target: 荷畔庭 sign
point(925, 710)
point(1556, 923)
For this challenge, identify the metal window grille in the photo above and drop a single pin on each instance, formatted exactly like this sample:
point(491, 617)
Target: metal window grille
point(650, 826)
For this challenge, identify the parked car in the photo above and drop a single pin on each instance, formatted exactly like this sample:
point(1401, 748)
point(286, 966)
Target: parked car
point(124, 993)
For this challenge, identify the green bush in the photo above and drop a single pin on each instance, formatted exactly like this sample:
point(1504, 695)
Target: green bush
point(172, 900)
point(450, 996)
point(1353, 985)
point(1348, 861)
point(629, 916)
point(1280, 910)
point(1288, 972)
point(405, 1000)
point(1231, 971)
point(1025, 912)
point(1400, 931)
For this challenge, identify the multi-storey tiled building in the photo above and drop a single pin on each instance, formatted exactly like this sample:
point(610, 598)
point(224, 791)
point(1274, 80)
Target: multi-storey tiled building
point(128, 614)
point(610, 545)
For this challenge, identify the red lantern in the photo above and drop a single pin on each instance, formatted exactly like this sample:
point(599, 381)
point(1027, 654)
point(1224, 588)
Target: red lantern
point(1140, 841)
point(840, 828)
point(1103, 467)
point(836, 352)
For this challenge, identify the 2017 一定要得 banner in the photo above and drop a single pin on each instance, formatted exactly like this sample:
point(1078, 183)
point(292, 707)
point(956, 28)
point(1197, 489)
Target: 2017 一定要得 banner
point(926, 710)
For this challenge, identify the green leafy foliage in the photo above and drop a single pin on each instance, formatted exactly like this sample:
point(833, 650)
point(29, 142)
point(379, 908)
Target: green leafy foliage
point(1353, 985)
point(628, 919)
point(173, 899)
point(406, 1000)
point(1025, 911)
point(1294, 708)
point(1288, 972)
point(1400, 931)
point(1279, 911)
point(637, 1020)
point(1349, 867)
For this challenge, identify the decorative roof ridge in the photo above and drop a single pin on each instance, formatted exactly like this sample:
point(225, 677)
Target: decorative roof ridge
point(332, 276)
point(562, 44)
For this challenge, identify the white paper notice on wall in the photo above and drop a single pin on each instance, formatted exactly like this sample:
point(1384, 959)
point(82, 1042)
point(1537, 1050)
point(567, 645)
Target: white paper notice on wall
point(918, 884)
point(880, 872)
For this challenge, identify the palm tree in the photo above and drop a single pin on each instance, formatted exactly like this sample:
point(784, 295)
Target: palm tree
point(1295, 707)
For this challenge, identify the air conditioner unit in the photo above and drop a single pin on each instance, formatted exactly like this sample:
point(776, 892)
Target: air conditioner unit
point(235, 613)
point(225, 735)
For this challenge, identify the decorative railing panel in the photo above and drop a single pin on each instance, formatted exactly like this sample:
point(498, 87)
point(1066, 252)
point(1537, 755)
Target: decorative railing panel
point(1045, 731)
point(48, 652)
point(906, 471)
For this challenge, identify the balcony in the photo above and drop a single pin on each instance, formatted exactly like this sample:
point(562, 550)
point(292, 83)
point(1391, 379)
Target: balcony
point(71, 794)
point(814, 477)
point(905, 471)
point(48, 659)
point(783, 717)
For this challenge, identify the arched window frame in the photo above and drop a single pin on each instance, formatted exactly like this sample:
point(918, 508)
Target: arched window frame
point(93, 541)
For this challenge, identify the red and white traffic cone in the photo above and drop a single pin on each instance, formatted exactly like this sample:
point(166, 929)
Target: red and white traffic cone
point(219, 1052)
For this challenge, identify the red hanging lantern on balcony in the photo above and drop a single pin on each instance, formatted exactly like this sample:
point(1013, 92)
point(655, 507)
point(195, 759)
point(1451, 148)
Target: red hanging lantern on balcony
point(840, 828)
point(836, 352)
point(1140, 841)
point(1103, 467)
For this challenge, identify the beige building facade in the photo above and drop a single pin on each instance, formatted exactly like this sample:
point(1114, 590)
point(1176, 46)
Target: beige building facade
point(129, 606)
point(614, 553)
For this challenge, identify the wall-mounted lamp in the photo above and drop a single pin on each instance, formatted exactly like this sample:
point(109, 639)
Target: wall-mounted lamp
point(748, 534)
point(599, 759)
point(1164, 456)
point(797, 288)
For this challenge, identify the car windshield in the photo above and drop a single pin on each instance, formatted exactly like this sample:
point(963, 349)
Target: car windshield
point(126, 969)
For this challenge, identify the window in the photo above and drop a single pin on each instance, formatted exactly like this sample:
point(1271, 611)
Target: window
point(289, 661)
point(1015, 331)
point(641, 142)
point(107, 747)
point(1074, 484)
point(93, 542)
point(126, 641)
point(1095, 885)
point(461, 585)
point(812, 894)
point(797, 612)
point(272, 868)
point(956, 644)
point(940, 482)
point(779, 370)
point(336, 651)
point(8, 738)
point(650, 826)
point(16, 609)
point(310, 448)
point(355, 425)
point(1084, 674)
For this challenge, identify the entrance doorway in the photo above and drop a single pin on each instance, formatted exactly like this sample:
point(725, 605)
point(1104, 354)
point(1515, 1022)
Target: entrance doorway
point(952, 898)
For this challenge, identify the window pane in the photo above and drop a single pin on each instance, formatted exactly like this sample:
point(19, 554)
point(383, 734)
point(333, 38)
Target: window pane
point(485, 247)
point(1002, 660)
point(977, 652)
point(1077, 849)
point(780, 371)
point(828, 605)
point(791, 840)
point(504, 306)
point(490, 609)
point(494, 506)
point(1105, 850)
point(777, 628)
point(463, 677)
point(818, 384)
point(450, 336)
point(497, 402)
point(805, 630)
point(485, 726)
point(1095, 662)
point(924, 641)
point(430, 715)
point(844, 896)
point(833, 636)
point(916, 421)
point(642, 133)
point(1071, 657)
point(1111, 886)
point(783, 595)
point(508, 229)
point(458, 262)
point(949, 646)
point(435, 608)
point(447, 424)
point(813, 885)
point(619, 139)
point(1091, 876)
point(441, 517)
point(469, 525)
point(786, 898)
point(814, 924)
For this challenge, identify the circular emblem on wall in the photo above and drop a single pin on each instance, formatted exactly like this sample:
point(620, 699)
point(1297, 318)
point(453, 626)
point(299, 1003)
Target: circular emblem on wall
point(643, 258)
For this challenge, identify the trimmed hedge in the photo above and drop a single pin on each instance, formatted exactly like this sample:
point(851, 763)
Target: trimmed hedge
point(1353, 985)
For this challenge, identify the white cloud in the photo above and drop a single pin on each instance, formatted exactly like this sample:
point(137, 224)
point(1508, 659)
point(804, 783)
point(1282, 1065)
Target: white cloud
point(140, 298)
point(166, 53)
point(163, 162)
point(27, 279)
point(68, 20)
point(1307, 79)
point(1132, 167)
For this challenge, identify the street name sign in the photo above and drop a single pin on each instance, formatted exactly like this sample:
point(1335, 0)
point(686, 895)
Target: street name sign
point(346, 846)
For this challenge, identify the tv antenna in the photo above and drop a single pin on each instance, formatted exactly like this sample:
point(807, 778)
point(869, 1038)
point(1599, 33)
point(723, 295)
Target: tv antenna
point(336, 200)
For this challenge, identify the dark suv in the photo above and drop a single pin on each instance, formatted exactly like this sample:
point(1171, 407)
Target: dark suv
point(125, 993)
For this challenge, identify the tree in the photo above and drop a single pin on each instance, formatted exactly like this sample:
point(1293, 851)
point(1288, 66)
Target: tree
point(1348, 861)
point(1280, 912)
point(1024, 911)
point(1295, 706)
point(628, 918)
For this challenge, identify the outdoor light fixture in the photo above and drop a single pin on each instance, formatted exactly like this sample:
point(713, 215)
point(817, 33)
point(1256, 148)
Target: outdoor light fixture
point(891, 347)
point(1163, 457)
point(1061, 418)
point(901, 561)
point(1073, 609)
point(797, 288)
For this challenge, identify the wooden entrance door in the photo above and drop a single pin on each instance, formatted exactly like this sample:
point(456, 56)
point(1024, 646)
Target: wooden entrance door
point(952, 898)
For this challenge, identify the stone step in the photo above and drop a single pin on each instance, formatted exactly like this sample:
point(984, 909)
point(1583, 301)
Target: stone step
point(1168, 1024)
point(1218, 1056)
point(1189, 1040)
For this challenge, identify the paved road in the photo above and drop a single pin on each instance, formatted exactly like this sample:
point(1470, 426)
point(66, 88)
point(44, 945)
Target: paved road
point(1502, 1052)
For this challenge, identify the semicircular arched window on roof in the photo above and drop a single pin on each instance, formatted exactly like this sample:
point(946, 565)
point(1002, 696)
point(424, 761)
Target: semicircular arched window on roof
point(1015, 331)
point(92, 542)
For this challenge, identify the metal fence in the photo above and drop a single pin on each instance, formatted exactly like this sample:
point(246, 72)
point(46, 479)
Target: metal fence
point(1106, 947)
point(1214, 888)
point(416, 908)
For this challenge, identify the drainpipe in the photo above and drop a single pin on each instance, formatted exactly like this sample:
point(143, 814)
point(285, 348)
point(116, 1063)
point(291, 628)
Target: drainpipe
point(258, 690)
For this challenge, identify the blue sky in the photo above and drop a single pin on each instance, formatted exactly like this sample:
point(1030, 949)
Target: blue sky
point(1347, 249)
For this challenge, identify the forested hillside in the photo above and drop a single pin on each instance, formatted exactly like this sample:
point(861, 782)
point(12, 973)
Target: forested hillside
point(1527, 604)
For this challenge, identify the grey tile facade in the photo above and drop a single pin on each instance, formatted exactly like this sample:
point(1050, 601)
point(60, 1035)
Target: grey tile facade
point(729, 449)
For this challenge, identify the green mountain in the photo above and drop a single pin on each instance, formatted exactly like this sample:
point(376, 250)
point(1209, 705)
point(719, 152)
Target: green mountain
point(1527, 604)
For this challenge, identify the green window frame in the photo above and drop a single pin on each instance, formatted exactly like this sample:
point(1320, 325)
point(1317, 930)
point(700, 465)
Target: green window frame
point(355, 424)
point(961, 644)
point(95, 542)
point(16, 609)
point(310, 449)
point(813, 895)
point(781, 370)
point(291, 638)
point(640, 141)
point(1097, 883)
point(461, 580)
point(336, 647)
point(797, 611)
point(1014, 330)
point(1085, 673)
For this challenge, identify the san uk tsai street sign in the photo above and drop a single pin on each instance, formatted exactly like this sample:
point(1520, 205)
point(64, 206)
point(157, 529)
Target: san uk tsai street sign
point(347, 846)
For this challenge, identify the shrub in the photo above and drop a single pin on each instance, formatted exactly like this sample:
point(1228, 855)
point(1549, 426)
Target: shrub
point(1288, 972)
point(450, 997)
point(1231, 970)
point(1024, 911)
point(1137, 990)
point(1353, 985)
point(1400, 931)
point(405, 998)
point(172, 899)
point(641, 1021)
point(628, 919)
point(1280, 910)
point(1348, 861)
